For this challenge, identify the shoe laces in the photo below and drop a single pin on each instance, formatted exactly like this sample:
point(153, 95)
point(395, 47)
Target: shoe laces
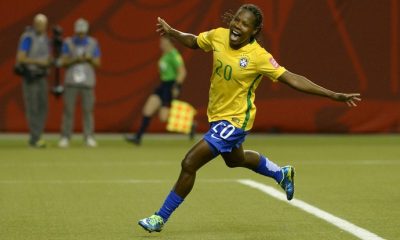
point(153, 220)
point(286, 180)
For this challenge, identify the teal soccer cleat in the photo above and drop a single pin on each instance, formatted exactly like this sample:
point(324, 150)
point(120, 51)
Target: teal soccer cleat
point(287, 182)
point(153, 223)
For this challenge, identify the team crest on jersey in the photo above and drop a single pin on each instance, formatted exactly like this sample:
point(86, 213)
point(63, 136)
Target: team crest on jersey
point(243, 62)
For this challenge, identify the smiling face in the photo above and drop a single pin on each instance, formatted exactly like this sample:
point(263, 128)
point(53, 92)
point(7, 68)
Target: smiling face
point(242, 28)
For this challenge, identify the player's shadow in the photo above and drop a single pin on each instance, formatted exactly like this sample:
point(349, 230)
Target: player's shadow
point(148, 236)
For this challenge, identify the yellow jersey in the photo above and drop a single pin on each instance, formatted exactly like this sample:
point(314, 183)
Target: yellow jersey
point(235, 77)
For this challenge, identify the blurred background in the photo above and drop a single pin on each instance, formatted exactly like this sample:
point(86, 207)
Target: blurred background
point(349, 46)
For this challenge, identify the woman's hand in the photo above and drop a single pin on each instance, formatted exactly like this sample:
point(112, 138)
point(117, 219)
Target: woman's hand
point(350, 98)
point(187, 39)
point(163, 27)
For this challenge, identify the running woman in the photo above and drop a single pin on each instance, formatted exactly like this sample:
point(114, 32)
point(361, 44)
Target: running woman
point(239, 64)
point(172, 74)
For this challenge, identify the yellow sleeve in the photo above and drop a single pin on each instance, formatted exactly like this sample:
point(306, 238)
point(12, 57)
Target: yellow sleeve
point(204, 40)
point(269, 67)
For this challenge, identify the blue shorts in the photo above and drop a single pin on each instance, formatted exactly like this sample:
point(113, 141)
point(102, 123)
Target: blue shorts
point(224, 137)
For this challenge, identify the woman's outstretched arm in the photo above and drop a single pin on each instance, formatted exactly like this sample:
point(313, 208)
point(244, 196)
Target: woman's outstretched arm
point(303, 84)
point(187, 39)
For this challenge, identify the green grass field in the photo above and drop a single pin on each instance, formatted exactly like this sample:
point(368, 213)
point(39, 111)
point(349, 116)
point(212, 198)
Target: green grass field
point(81, 193)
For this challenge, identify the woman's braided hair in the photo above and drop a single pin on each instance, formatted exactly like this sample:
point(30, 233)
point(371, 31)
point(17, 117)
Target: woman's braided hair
point(258, 14)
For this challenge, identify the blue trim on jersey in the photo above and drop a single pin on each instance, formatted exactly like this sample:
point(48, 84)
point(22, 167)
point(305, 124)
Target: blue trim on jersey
point(65, 48)
point(97, 52)
point(77, 41)
point(25, 44)
point(80, 41)
point(224, 137)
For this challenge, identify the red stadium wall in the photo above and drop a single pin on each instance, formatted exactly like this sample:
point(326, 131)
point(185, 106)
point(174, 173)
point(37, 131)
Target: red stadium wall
point(350, 46)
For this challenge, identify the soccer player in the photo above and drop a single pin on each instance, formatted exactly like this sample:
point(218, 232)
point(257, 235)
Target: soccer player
point(239, 64)
point(172, 73)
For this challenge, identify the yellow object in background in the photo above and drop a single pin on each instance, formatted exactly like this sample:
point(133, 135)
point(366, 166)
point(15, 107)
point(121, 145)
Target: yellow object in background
point(180, 117)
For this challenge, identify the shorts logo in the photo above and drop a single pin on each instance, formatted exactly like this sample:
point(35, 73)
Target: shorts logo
point(243, 62)
point(273, 62)
point(213, 136)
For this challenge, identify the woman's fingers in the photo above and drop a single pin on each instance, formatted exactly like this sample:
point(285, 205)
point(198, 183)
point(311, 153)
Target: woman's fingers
point(351, 103)
point(161, 26)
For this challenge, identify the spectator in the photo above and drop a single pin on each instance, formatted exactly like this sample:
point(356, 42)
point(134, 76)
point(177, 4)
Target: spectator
point(80, 55)
point(33, 61)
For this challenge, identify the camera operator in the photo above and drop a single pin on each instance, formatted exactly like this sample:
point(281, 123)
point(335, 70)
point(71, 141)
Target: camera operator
point(33, 62)
point(80, 55)
point(57, 43)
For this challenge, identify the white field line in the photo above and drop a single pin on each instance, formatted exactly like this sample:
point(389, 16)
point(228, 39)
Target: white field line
point(349, 227)
point(336, 221)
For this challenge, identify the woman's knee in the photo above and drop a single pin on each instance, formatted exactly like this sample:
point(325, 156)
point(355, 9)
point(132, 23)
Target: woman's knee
point(151, 106)
point(164, 113)
point(188, 163)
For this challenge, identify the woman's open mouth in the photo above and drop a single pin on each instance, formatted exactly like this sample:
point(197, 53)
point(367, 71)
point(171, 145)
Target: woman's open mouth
point(235, 35)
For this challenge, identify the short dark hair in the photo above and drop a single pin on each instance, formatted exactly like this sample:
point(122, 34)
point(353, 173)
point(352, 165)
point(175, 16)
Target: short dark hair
point(258, 14)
